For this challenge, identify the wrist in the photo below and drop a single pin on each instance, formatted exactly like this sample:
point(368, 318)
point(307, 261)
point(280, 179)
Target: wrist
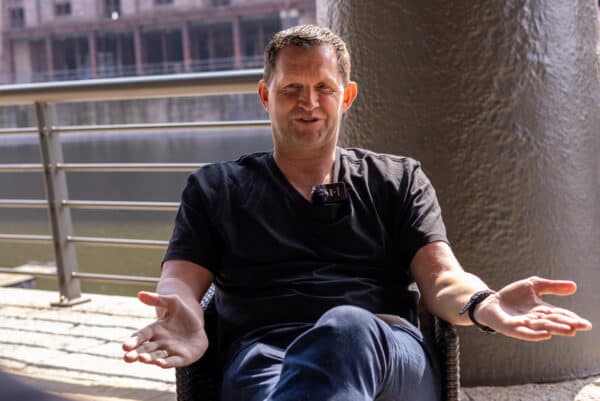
point(473, 305)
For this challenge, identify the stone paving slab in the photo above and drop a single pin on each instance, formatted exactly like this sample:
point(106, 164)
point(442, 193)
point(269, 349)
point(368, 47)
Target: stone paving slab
point(572, 390)
point(76, 351)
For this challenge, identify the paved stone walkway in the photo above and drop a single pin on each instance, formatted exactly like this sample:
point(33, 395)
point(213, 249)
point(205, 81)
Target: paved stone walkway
point(76, 352)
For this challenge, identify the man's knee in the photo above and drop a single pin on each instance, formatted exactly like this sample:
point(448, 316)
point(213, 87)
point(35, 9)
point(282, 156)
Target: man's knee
point(347, 317)
point(252, 373)
point(350, 326)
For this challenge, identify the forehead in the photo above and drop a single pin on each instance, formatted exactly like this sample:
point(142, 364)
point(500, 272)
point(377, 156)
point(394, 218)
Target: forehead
point(294, 61)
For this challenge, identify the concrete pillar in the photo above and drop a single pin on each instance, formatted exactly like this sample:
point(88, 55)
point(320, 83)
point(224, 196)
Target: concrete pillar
point(500, 101)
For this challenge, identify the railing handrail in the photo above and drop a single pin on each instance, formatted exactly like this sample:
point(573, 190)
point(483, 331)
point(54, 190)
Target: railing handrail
point(103, 167)
point(18, 131)
point(54, 168)
point(92, 204)
point(153, 86)
point(78, 129)
point(116, 70)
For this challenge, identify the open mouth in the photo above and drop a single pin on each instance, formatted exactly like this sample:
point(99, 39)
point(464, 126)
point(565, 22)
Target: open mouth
point(308, 120)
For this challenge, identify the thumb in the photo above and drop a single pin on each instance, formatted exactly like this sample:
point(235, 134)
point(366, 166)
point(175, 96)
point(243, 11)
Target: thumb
point(544, 286)
point(157, 300)
point(149, 298)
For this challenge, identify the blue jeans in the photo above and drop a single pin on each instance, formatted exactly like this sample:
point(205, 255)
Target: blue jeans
point(348, 355)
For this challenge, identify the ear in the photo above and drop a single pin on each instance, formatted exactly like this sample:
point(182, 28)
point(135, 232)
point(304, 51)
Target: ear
point(350, 93)
point(263, 93)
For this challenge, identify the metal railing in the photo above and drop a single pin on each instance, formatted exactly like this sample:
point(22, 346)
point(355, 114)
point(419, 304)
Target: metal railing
point(131, 70)
point(54, 169)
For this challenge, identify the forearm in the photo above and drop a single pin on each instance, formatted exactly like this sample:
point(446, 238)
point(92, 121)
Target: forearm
point(179, 287)
point(452, 291)
point(444, 285)
point(185, 280)
point(177, 337)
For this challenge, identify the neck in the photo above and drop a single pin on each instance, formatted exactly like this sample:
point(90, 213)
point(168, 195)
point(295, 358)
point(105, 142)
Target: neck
point(305, 171)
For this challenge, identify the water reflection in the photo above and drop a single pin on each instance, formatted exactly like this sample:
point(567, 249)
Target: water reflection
point(139, 147)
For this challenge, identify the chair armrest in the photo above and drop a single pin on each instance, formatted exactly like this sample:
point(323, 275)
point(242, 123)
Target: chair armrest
point(446, 339)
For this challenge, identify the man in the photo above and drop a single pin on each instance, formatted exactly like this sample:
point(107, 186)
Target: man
point(312, 282)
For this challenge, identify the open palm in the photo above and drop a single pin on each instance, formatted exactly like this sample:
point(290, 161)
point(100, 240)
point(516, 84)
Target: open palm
point(518, 310)
point(176, 338)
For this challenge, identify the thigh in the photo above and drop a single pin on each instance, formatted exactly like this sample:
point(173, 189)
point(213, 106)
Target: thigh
point(413, 372)
point(253, 373)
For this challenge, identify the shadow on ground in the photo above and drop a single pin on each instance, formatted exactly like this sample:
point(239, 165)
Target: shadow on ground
point(88, 392)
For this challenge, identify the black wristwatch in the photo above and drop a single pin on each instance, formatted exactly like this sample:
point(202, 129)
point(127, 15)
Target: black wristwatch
point(470, 306)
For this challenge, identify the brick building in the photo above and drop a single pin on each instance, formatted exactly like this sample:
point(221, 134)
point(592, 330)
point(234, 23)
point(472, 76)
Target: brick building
point(45, 40)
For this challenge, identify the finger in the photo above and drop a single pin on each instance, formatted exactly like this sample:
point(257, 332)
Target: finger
point(131, 356)
point(148, 347)
point(134, 356)
point(551, 327)
point(156, 300)
point(544, 286)
point(567, 316)
point(138, 338)
point(575, 321)
point(518, 327)
point(528, 334)
point(137, 354)
point(153, 357)
point(173, 361)
point(149, 298)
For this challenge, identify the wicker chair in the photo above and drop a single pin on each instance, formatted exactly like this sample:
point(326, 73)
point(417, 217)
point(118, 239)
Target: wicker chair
point(200, 381)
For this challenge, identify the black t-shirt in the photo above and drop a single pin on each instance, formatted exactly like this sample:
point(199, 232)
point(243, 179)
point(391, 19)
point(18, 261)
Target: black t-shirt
point(280, 261)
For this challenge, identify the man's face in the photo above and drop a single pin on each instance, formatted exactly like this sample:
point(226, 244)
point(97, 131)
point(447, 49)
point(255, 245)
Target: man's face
point(306, 98)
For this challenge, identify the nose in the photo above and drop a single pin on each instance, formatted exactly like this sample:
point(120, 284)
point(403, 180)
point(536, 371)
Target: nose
point(308, 99)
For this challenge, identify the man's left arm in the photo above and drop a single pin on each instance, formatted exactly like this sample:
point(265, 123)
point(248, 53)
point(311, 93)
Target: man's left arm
point(517, 310)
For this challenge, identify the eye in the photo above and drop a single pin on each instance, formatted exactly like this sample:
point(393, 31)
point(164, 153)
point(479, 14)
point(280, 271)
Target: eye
point(323, 87)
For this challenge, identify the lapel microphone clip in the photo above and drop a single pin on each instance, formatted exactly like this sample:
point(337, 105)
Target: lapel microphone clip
point(329, 193)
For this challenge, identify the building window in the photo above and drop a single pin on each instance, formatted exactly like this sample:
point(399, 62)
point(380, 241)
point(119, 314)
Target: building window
point(63, 8)
point(112, 9)
point(162, 2)
point(220, 3)
point(17, 17)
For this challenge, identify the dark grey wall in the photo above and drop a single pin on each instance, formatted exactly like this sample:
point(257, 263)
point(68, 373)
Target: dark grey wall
point(500, 101)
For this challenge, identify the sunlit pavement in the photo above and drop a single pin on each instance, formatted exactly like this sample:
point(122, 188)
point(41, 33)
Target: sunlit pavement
point(76, 351)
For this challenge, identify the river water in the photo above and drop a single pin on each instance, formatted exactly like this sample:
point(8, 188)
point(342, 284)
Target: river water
point(142, 147)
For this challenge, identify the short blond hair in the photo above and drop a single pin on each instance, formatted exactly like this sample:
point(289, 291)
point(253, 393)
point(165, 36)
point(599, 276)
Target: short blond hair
point(306, 37)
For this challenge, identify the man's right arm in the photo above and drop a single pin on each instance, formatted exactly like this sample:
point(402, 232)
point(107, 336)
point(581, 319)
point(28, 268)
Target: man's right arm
point(177, 337)
point(186, 279)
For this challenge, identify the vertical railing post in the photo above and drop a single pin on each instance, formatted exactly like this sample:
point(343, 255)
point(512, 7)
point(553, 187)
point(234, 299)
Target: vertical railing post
point(55, 183)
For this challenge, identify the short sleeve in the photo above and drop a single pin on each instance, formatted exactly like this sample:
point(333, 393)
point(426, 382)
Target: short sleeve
point(195, 237)
point(421, 219)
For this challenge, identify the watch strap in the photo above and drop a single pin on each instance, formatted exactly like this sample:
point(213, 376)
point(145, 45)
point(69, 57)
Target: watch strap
point(470, 306)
